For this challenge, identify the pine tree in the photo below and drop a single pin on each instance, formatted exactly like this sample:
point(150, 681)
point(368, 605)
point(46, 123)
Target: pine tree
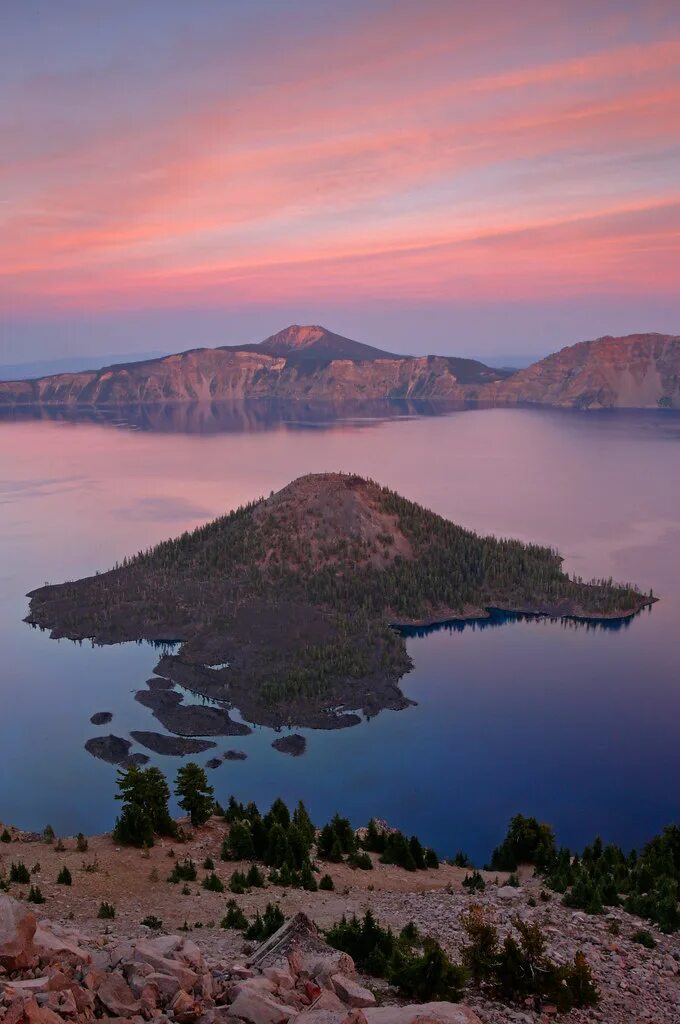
point(196, 796)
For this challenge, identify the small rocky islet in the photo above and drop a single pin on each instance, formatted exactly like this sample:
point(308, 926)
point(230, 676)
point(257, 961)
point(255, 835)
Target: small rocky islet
point(101, 718)
point(173, 746)
point(114, 750)
point(297, 599)
point(295, 745)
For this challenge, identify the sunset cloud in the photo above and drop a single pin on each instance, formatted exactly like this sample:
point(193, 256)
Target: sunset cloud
point(423, 150)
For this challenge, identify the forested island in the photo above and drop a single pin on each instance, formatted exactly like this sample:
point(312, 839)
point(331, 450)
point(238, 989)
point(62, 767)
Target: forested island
point(285, 608)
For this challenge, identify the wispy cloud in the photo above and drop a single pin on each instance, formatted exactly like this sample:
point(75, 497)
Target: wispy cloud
point(413, 149)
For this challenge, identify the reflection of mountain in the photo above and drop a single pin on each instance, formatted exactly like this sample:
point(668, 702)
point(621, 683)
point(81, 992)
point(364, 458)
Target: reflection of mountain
point(231, 417)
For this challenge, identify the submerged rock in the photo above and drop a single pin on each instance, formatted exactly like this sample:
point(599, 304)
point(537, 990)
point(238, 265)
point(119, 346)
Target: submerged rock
point(235, 755)
point(295, 745)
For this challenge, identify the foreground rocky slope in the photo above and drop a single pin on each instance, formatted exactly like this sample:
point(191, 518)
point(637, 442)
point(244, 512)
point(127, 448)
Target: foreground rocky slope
point(291, 600)
point(312, 363)
point(70, 966)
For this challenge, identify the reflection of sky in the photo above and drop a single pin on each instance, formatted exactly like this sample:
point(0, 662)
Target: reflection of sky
point(387, 167)
point(578, 726)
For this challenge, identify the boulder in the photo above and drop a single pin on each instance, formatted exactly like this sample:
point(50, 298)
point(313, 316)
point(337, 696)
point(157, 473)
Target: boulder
point(15, 1013)
point(258, 1008)
point(164, 945)
point(315, 1016)
point(291, 997)
point(281, 977)
point(49, 943)
point(28, 986)
point(62, 1002)
point(146, 951)
point(149, 999)
point(190, 952)
point(437, 1013)
point(185, 1008)
point(327, 961)
point(256, 984)
point(34, 1014)
point(17, 929)
point(117, 997)
point(58, 981)
point(351, 992)
point(329, 1001)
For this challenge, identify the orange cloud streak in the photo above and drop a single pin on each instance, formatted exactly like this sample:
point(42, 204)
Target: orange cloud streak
point(376, 177)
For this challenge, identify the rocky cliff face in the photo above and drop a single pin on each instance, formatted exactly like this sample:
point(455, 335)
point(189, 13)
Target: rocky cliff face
point(299, 363)
point(638, 371)
point(311, 363)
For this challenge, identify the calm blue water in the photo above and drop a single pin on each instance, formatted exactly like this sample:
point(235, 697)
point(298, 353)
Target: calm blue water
point(578, 726)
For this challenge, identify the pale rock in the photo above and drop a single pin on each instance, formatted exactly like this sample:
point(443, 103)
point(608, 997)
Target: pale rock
point(441, 1013)
point(329, 1001)
point(17, 931)
point(351, 992)
point(256, 984)
point(315, 1016)
point(147, 952)
point(27, 986)
point(49, 944)
point(508, 892)
point(241, 971)
point(281, 977)
point(190, 952)
point(258, 1008)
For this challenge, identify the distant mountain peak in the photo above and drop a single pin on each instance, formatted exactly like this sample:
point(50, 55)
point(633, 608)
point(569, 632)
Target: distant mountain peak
point(298, 336)
point(312, 343)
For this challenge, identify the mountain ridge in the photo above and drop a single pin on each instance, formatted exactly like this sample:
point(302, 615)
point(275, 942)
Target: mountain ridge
point(634, 371)
point(311, 362)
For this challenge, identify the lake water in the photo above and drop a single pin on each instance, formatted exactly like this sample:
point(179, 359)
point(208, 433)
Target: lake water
point(578, 726)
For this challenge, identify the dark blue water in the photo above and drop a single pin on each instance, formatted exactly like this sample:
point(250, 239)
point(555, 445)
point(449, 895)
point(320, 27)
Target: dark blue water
point(577, 725)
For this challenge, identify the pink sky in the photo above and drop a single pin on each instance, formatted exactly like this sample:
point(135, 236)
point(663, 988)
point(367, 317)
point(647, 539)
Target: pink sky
point(371, 165)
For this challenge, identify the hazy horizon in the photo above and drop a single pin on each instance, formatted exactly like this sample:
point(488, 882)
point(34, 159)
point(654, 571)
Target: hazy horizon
point(423, 177)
